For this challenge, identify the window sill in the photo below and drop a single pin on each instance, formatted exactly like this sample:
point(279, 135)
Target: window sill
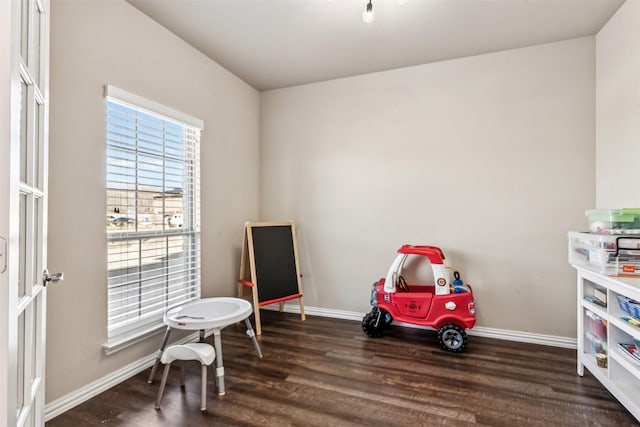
point(119, 343)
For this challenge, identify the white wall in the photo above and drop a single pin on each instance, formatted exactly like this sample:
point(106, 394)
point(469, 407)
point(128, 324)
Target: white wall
point(99, 42)
point(618, 109)
point(489, 157)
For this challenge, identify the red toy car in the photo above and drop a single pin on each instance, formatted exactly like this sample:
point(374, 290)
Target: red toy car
point(447, 306)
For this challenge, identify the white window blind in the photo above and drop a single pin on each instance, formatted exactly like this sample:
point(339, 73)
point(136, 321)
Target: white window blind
point(153, 215)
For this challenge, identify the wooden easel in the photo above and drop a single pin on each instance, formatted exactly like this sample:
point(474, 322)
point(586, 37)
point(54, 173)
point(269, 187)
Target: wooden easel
point(269, 266)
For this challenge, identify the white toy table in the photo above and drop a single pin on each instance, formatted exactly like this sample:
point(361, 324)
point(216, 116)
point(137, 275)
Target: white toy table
point(208, 313)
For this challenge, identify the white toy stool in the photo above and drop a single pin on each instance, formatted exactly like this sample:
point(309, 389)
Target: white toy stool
point(202, 352)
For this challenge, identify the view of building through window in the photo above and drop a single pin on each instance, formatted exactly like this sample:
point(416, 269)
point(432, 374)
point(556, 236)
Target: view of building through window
point(154, 210)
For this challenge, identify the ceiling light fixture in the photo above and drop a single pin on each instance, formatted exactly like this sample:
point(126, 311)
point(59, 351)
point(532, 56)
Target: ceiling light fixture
point(367, 15)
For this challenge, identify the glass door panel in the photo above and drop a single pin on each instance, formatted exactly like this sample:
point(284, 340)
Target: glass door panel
point(24, 124)
point(36, 56)
point(37, 266)
point(37, 152)
point(24, 29)
point(36, 335)
point(20, 360)
point(22, 272)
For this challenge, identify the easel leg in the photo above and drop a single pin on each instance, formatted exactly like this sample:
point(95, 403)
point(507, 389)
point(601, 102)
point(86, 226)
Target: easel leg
point(163, 344)
point(281, 307)
point(256, 310)
point(247, 322)
point(217, 343)
point(302, 316)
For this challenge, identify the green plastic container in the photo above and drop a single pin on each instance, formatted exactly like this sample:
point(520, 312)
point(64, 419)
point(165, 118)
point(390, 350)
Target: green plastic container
point(614, 221)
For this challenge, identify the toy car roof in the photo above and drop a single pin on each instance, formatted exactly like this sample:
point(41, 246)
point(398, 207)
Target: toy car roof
point(435, 254)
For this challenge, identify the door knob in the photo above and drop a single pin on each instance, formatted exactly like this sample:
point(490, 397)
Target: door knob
point(48, 277)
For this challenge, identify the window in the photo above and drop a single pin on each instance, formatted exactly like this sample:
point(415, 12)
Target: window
point(153, 214)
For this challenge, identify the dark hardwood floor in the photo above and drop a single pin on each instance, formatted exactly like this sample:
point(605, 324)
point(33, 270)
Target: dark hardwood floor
point(326, 372)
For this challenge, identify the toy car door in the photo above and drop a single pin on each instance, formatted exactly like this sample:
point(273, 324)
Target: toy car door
point(413, 304)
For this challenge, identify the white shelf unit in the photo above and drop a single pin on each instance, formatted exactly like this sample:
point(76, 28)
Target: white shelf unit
point(622, 374)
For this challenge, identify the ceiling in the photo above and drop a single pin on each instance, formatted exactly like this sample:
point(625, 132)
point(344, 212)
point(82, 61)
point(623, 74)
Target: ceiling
point(279, 43)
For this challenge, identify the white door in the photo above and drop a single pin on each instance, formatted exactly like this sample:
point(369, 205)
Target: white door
point(24, 62)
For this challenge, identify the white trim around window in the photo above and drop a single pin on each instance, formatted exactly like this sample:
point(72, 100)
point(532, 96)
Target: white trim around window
point(152, 215)
point(151, 106)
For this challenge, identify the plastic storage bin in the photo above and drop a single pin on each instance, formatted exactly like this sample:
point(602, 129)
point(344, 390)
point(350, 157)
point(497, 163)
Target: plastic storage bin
point(629, 306)
point(605, 254)
point(596, 325)
point(596, 344)
point(614, 221)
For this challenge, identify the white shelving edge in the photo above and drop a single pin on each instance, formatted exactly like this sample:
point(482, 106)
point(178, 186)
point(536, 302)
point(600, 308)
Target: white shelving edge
point(629, 287)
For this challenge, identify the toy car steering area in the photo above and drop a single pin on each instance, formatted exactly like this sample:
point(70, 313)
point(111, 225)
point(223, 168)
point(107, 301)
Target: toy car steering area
point(446, 306)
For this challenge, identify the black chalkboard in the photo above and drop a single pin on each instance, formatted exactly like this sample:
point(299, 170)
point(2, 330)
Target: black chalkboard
point(269, 266)
point(275, 262)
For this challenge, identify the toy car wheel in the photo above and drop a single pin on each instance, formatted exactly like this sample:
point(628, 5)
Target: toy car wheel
point(452, 338)
point(374, 322)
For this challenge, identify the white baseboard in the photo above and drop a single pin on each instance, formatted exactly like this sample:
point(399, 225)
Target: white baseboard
point(480, 331)
point(64, 403)
point(528, 337)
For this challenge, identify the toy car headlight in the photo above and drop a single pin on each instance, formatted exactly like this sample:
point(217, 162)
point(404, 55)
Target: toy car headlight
point(374, 297)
